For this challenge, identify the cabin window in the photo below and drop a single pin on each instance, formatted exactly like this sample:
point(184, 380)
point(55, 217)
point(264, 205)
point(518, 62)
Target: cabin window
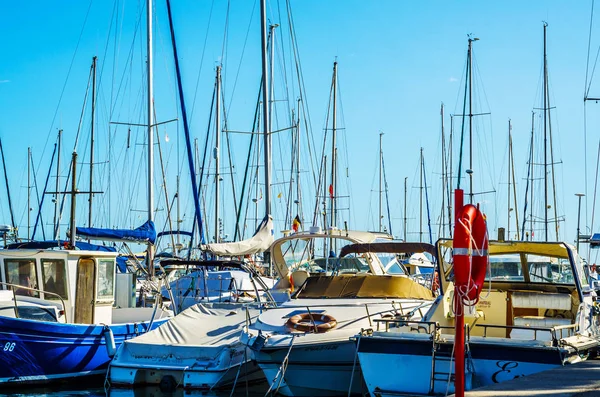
point(106, 277)
point(22, 272)
point(54, 275)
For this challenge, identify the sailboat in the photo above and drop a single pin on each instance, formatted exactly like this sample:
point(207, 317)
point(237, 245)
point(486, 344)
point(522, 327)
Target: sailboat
point(200, 348)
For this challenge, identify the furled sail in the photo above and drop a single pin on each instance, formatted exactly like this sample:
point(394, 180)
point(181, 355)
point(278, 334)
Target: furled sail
point(143, 234)
point(260, 242)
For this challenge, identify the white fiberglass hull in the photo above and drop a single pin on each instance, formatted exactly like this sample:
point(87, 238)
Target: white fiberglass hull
point(491, 361)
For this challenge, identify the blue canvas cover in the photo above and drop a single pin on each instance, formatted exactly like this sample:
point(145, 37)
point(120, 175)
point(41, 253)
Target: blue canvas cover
point(143, 234)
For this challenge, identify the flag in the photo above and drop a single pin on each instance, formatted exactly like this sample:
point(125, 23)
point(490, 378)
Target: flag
point(296, 223)
point(331, 191)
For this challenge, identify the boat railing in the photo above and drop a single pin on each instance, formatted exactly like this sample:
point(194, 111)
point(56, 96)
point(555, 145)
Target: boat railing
point(17, 287)
point(430, 327)
point(556, 332)
point(433, 327)
point(399, 314)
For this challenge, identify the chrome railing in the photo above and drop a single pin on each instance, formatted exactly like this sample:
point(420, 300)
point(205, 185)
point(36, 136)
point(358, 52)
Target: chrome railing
point(15, 287)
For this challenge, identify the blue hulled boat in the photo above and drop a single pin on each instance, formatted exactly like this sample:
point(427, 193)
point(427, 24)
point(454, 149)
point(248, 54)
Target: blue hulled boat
point(60, 317)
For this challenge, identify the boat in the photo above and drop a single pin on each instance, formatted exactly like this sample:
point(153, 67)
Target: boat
point(303, 346)
point(229, 280)
point(57, 321)
point(199, 349)
point(536, 312)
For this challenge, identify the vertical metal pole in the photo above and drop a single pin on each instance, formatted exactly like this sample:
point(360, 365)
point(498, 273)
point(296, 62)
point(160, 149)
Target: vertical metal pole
point(579, 195)
point(266, 115)
point(444, 182)
point(546, 110)
point(92, 140)
point(380, 180)
point(73, 200)
point(150, 257)
point(56, 221)
point(10, 207)
point(421, 201)
point(28, 193)
point(405, 196)
point(470, 120)
point(333, 148)
point(508, 209)
point(217, 149)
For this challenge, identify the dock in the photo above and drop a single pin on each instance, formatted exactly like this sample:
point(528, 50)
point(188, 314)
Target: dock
point(580, 380)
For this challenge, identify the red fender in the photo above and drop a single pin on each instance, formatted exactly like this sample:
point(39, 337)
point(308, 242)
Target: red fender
point(470, 252)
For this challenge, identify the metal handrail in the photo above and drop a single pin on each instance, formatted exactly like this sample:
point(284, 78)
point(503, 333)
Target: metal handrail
point(15, 287)
point(551, 330)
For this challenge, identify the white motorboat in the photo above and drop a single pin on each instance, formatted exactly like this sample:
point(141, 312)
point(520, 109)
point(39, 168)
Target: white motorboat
point(536, 312)
point(304, 346)
point(200, 347)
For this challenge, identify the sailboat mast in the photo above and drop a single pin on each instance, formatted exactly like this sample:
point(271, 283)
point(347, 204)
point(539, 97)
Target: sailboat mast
point(450, 188)
point(441, 228)
point(92, 133)
point(405, 194)
point(217, 149)
point(56, 222)
point(10, 207)
point(72, 227)
point(421, 200)
point(471, 120)
point(380, 181)
point(508, 208)
point(546, 110)
point(265, 106)
point(531, 232)
point(150, 134)
point(299, 210)
point(333, 148)
point(514, 183)
point(28, 192)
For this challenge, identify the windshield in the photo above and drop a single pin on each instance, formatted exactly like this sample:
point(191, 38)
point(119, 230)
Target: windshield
point(321, 255)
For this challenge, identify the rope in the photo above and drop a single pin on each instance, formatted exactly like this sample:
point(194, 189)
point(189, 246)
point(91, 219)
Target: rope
point(354, 365)
point(238, 373)
point(281, 371)
point(464, 292)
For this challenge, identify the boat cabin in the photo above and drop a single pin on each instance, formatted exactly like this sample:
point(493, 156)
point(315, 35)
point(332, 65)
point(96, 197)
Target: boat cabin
point(82, 282)
point(529, 288)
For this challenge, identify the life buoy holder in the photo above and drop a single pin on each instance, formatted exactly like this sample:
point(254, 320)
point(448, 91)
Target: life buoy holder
point(307, 322)
point(470, 252)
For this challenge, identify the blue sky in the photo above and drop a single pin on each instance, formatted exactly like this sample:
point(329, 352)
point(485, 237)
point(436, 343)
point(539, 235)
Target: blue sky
point(398, 61)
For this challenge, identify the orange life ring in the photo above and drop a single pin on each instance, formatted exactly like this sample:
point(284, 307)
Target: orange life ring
point(470, 252)
point(306, 322)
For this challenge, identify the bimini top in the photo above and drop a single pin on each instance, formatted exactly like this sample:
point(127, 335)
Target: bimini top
point(363, 286)
point(318, 251)
point(392, 247)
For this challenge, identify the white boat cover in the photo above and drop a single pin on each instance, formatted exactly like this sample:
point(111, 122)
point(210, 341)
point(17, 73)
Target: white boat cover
point(198, 333)
point(260, 242)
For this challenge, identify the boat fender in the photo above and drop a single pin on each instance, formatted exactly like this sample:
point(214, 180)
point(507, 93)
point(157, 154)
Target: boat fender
point(470, 251)
point(109, 341)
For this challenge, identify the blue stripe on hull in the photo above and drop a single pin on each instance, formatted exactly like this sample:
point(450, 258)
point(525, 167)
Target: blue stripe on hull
point(546, 355)
point(43, 352)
